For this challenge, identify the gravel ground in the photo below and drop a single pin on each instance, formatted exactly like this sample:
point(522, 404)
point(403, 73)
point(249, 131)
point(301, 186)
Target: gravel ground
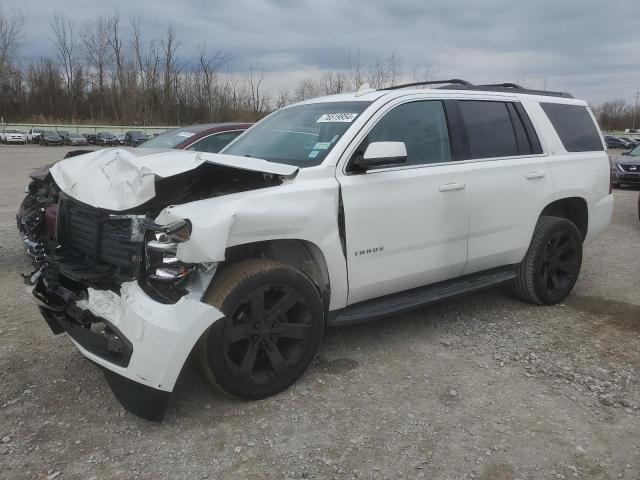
point(485, 387)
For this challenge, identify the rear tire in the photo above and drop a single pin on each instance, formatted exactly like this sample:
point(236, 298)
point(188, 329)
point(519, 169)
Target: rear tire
point(273, 324)
point(552, 264)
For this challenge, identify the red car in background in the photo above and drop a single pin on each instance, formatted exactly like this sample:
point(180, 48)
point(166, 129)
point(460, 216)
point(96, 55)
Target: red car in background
point(36, 217)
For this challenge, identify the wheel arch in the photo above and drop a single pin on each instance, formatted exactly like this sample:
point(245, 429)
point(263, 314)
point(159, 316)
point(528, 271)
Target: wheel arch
point(300, 254)
point(574, 209)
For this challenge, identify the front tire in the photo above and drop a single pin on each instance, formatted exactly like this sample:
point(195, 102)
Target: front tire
point(552, 264)
point(273, 324)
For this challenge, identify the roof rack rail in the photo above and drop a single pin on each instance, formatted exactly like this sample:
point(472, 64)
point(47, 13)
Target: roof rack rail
point(457, 84)
point(430, 82)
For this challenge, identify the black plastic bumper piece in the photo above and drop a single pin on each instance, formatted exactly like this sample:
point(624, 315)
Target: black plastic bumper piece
point(143, 401)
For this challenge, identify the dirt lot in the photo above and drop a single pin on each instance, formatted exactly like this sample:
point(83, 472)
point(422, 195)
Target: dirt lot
point(486, 387)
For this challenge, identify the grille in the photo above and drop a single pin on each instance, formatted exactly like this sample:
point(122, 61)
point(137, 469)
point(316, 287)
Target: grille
point(631, 168)
point(87, 230)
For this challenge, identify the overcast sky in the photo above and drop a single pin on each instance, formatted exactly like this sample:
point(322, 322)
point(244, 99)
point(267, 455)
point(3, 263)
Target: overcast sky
point(589, 48)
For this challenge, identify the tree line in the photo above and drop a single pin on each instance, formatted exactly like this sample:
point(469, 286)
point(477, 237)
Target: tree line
point(105, 71)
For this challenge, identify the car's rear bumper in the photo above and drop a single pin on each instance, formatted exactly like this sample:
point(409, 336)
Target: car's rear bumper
point(141, 344)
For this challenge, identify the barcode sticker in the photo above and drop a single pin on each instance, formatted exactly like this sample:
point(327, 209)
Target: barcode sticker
point(337, 117)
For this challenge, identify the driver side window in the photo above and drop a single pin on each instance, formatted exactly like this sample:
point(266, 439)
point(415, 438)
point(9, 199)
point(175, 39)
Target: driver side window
point(422, 126)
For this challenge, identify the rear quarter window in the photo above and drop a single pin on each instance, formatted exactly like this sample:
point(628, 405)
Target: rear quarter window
point(574, 126)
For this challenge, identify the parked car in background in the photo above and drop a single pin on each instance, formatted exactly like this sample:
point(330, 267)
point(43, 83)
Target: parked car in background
point(91, 138)
point(33, 135)
point(13, 136)
point(625, 168)
point(105, 139)
point(614, 142)
point(50, 137)
point(120, 138)
point(63, 134)
point(134, 138)
point(75, 139)
point(627, 142)
point(210, 138)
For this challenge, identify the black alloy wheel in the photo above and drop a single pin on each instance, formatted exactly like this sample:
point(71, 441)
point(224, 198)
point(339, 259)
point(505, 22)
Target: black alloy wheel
point(552, 263)
point(559, 262)
point(267, 334)
point(273, 324)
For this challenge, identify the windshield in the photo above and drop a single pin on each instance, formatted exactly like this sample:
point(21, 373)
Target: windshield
point(168, 139)
point(301, 135)
point(635, 152)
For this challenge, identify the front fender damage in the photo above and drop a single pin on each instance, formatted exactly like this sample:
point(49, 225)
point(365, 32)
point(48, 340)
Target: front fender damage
point(305, 211)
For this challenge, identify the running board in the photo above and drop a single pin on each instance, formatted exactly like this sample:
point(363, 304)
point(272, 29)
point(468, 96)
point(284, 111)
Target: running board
point(377, 308)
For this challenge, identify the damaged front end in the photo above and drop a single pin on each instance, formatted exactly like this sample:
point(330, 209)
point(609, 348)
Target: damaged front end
point(36, 217)
point(113, 281)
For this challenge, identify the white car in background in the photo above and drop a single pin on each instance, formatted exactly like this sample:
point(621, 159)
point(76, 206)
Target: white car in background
point(13, 136)
point(332, 211)
point(33, 135)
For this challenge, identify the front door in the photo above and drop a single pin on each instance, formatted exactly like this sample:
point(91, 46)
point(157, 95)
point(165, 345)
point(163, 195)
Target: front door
point(406, 226)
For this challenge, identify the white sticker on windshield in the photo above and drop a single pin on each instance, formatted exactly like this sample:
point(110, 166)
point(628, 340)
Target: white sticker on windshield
point(322, 145)
point(186, 134)
point(337, 117)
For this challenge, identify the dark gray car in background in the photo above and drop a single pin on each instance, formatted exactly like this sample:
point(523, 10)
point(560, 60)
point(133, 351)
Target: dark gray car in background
point(625, 168)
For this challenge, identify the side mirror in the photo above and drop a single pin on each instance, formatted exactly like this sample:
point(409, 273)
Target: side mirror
point(382, 154)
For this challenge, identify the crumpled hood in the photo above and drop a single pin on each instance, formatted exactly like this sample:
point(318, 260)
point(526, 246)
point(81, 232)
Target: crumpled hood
point(123, 178)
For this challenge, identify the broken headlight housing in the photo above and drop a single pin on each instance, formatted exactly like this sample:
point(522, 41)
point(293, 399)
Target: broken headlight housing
point(166, 277)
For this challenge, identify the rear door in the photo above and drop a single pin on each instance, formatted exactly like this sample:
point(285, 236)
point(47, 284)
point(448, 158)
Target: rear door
point(508, 178)
point(405, 226)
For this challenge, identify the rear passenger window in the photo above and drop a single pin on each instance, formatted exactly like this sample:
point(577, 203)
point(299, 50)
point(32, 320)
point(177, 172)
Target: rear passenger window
point(422, 126)
point(489, 129)
point(575, 127)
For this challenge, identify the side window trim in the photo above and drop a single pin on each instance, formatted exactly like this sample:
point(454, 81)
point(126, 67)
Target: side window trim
point(534, 141)
point(522, 140)
point(457, 131)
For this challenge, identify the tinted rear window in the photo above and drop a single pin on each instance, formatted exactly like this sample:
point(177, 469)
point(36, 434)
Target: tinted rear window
point(575, 127)
point(489, 129)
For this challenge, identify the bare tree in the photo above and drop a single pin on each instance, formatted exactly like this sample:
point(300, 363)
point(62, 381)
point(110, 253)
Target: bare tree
point(210, 64)
point(425, 73)
point(65, 41)
point(115, 41)
point(95, 42)
point(354, 70)
point(11, 25)
point(384, 72)
point(170, 71)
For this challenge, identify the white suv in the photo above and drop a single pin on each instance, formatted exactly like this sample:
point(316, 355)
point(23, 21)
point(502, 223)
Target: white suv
point(331, 211)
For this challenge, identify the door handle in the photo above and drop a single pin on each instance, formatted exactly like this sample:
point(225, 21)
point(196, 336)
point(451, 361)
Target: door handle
point(534, 175)
point(447, 187)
